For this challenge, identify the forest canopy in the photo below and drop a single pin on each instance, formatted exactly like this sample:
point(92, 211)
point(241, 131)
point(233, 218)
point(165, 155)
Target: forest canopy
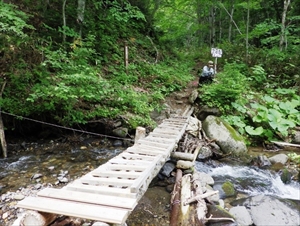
point(62, 61)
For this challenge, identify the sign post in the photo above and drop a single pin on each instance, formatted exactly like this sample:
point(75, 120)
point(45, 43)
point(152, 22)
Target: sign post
point(216, 53)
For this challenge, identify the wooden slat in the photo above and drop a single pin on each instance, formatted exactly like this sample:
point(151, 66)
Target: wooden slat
point(153, 144)
point(126, 167)
point(161, 140)
point(166, 131)
point(104, 190)
point(120, 160)
point(107, 200)
point(90, 180)
point(149, 151)
point(128, 155)
point(151, 147)
point(75, 209)
point(115, 173)
point(169, 136)
point(171, 125)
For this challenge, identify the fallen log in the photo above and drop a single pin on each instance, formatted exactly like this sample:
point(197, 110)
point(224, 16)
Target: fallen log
point(30, 218)
point(201, 208)
point(185, 210)
point(286, 144)
point(175, 199)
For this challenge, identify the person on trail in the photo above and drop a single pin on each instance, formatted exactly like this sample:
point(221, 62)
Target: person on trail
point(208, 73)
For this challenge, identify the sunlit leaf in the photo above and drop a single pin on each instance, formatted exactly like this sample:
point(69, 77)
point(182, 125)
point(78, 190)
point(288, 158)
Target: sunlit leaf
point(257, 131)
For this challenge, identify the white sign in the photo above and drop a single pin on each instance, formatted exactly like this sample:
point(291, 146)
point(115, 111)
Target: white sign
point(216, 52)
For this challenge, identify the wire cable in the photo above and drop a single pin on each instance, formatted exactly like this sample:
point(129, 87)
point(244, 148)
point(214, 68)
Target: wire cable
point(64, 127)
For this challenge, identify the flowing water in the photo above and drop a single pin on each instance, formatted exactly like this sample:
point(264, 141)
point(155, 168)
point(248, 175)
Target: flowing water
point(251, 180)
point(50, 160)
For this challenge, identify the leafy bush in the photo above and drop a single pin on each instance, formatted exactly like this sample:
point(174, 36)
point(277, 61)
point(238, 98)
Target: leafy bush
point(267, 117)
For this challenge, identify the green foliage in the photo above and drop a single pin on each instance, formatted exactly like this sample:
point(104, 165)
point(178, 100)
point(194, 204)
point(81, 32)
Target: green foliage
point(12, 21)
point(294, 157)
point(228, 87)
point(271, 117)
point(258, 77)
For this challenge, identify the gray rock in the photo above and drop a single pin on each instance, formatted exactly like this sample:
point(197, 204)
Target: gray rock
point(193, 96)
point(270, 211)
point(19, 197)
point(204, 178)
point(206, 111)
point(167, 169)
point(241, 215)
point(228, 139)
point(204, 153)
point(120, 132)
point(263, 161)
point(36, 176)
point(63, 179)
point(296, 137)
point(117, 143)
point(280, 158)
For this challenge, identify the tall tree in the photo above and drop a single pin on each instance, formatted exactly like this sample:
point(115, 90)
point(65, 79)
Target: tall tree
point(283, 39)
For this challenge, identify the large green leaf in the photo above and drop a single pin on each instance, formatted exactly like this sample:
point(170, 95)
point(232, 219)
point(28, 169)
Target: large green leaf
point(257, 131)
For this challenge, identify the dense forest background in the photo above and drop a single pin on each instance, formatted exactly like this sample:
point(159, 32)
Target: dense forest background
point(62, 61)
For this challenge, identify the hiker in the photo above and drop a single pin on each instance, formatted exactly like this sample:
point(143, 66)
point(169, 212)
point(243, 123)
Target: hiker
point(208, 73)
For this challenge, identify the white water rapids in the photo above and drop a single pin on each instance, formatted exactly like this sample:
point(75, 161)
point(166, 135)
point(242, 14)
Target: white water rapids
point(252, 180)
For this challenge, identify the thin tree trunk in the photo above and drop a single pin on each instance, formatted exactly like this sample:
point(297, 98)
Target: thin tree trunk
point(64, 20)
point(231, 21)
point(80, 15)
point(283, 27)
point(247, 29)
point(2, 134)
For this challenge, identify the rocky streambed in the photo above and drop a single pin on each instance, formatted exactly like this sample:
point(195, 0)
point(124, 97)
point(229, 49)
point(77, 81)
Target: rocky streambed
point(258, 194)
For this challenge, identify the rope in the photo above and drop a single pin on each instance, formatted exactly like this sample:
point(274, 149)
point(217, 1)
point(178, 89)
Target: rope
point(64, 127)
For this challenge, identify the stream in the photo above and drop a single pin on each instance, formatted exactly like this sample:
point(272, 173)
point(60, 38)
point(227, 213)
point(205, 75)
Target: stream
point(47, 162)
point(250, 181)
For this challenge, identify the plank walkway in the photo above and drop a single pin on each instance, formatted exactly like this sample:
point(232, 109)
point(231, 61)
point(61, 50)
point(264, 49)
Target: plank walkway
point(110, 192)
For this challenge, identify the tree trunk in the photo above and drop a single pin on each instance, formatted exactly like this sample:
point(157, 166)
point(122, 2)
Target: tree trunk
point(80, 15)
point(283, 27)
point(64, 20)
point(2, 134)
point(231, 21)
point(247, 29)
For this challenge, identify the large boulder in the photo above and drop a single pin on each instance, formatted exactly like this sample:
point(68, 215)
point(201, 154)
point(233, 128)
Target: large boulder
point(225, 136)
point(268, 210)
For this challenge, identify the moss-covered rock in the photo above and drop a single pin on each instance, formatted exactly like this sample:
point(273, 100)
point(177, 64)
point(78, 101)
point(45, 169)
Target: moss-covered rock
point(228, 139)
point(228, 189)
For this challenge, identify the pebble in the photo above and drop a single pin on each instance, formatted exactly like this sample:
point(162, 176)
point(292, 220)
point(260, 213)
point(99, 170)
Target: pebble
point(19, 197)
point(36, 176)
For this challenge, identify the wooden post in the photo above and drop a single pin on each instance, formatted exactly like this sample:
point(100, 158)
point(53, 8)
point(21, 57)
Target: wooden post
point(139, 133)
point(216, 61)
point(126, 56)
point(2, 134)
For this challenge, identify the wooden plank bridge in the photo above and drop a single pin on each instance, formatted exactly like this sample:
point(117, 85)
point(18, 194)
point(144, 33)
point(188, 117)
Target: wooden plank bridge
point(110, 192)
